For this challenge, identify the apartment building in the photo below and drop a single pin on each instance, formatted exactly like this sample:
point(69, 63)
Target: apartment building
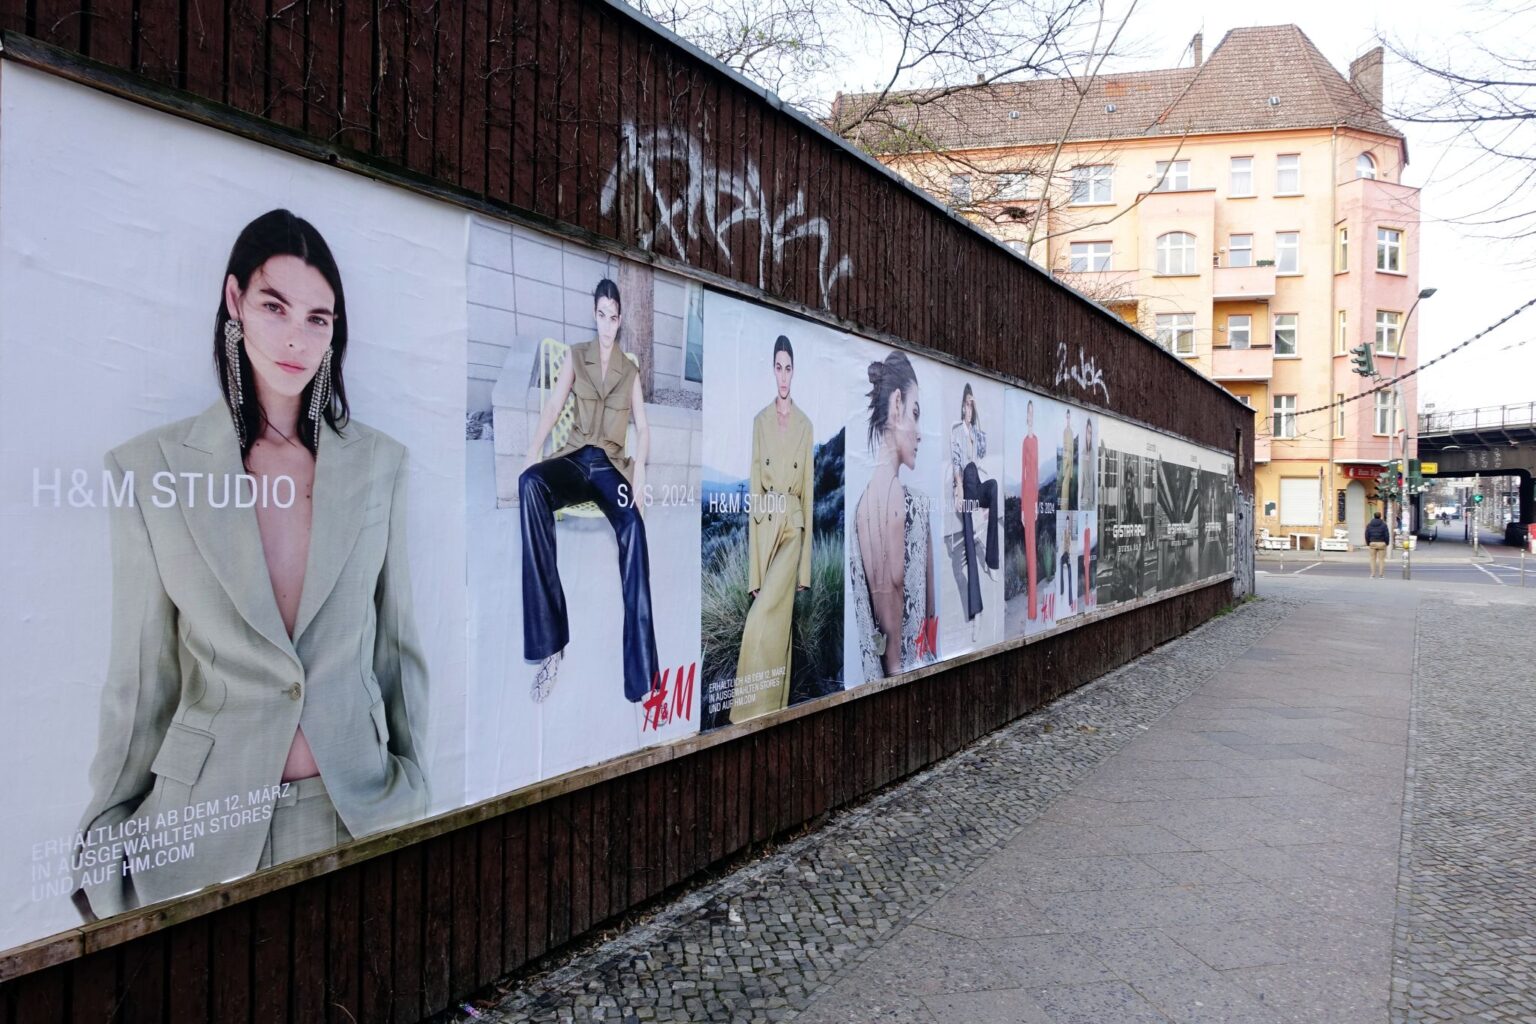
point(1247, 213)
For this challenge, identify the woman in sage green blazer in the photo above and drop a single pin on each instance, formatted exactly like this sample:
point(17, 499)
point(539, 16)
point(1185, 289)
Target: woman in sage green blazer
point(780, 512)
point(266, 693)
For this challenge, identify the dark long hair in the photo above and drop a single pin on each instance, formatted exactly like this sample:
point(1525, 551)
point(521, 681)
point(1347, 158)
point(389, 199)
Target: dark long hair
point(893, 373)
point(781, 344)
point(975, 413)
point(280, 233)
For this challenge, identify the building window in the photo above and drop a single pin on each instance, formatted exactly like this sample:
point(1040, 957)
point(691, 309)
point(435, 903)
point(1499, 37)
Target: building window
point(1389, 250)
point(1288, 174)
point(1013, 185)
point(1383, 410)
point(1240, 331)
point(1288, 252)
point(1341, 333)
point(1285, 334)
point(1240, 251)
point(1242, 177)
point(1019, 246)
point(1176, 332)
point(1365, 166)
point(1172, 176)
point(1093, 183)
point(959, 189)
point(1176, 253)
point(1246, 400)
point(1338, 416)
point(1088, 256)
point(1387, 323)
point(1284, 416)
point(1341, 251)
point(1339, 508)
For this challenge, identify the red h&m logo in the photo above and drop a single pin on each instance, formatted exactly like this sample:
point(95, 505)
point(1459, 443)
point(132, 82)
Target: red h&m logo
point(658, 712)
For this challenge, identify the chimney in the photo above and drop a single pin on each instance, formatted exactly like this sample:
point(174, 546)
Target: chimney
point(1198, 45)
point(1365, 76)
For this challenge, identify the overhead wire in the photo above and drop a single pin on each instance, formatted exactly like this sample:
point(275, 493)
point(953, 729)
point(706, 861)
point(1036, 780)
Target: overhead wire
point(1387, 383)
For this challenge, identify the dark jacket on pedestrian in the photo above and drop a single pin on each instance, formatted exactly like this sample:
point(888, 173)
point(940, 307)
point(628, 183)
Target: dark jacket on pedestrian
point(1376, 531)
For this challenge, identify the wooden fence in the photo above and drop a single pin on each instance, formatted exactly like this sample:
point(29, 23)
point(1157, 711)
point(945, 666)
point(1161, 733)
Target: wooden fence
point(575, 117)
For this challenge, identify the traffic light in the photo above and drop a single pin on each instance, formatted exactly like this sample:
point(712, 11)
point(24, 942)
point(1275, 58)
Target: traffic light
point(1477, 499)
point(1365, 362)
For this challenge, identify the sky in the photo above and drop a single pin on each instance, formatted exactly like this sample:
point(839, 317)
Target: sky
point(1477, 281)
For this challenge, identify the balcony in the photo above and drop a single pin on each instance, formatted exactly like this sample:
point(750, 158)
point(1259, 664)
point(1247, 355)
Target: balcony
point(1241, 284)
point(1256, 363)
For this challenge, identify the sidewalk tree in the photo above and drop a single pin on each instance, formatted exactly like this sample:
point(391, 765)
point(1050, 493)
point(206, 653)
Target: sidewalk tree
point(1479, 88)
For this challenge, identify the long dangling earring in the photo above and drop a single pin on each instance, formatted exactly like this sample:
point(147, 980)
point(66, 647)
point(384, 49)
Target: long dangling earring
point(234, 334)
point(320, 397)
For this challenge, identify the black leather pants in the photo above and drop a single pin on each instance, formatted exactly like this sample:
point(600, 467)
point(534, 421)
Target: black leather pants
point(984, 494)
point(584, 475)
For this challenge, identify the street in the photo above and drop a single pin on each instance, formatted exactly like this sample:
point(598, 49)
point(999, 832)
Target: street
point(1236, 827)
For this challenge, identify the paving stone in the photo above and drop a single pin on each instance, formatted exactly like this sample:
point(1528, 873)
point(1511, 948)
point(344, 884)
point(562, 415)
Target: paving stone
point(1045, 873)
point(1136, 953)
point(1466, 926)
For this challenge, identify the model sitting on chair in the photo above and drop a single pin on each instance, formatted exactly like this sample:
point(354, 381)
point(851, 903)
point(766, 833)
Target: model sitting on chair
point(967, 447)
point(590, 466)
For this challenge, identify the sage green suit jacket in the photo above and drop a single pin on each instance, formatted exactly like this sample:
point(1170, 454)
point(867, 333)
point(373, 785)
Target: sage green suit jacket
point(205, 688)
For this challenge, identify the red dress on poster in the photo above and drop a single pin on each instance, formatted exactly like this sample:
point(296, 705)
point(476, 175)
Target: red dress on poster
point(1029, 510)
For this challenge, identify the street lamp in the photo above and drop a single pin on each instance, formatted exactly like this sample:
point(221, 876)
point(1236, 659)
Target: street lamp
point(1405, 517)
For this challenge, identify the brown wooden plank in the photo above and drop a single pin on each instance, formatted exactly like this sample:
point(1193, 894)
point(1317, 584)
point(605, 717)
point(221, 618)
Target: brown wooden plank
point(60, 22)
point(343, 960)
point(450, 81)
point(41, 996)
point(573, 147)
point(555, 70)
point(762, 780)
point(421, 82)
point(187, 984)
point(286, 61)
point(142, 989)
point(558, 872)
point(524, 109)
point(537, 893)
point(501, 58)
point(488, 945)
point(599, 856)
point(307, 970)
point(437, 909)
point(671, 825)
point(323, 63)
point(376, 926)
point(589, 166)
point(230, 969)
point(581, 861)
point(110, 32)
point(620, 853)
point(514, 907)
point(607, 114)
point(157, 47)
point(466, 909)
point(203, 56)
point(391, 123)
point(657, 824)
point(474, 96)
point(359, 105)
point(271, 955)
point(407, 931)
point(245, 43)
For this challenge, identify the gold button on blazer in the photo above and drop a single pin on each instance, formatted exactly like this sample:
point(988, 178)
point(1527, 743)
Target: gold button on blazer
point(205, 689)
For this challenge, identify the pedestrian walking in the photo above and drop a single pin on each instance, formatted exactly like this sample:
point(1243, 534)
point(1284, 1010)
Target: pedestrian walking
point(1376, 537)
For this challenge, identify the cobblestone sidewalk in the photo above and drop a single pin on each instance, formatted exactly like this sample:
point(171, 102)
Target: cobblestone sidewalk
point(1466, 932)
point(761, 944)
